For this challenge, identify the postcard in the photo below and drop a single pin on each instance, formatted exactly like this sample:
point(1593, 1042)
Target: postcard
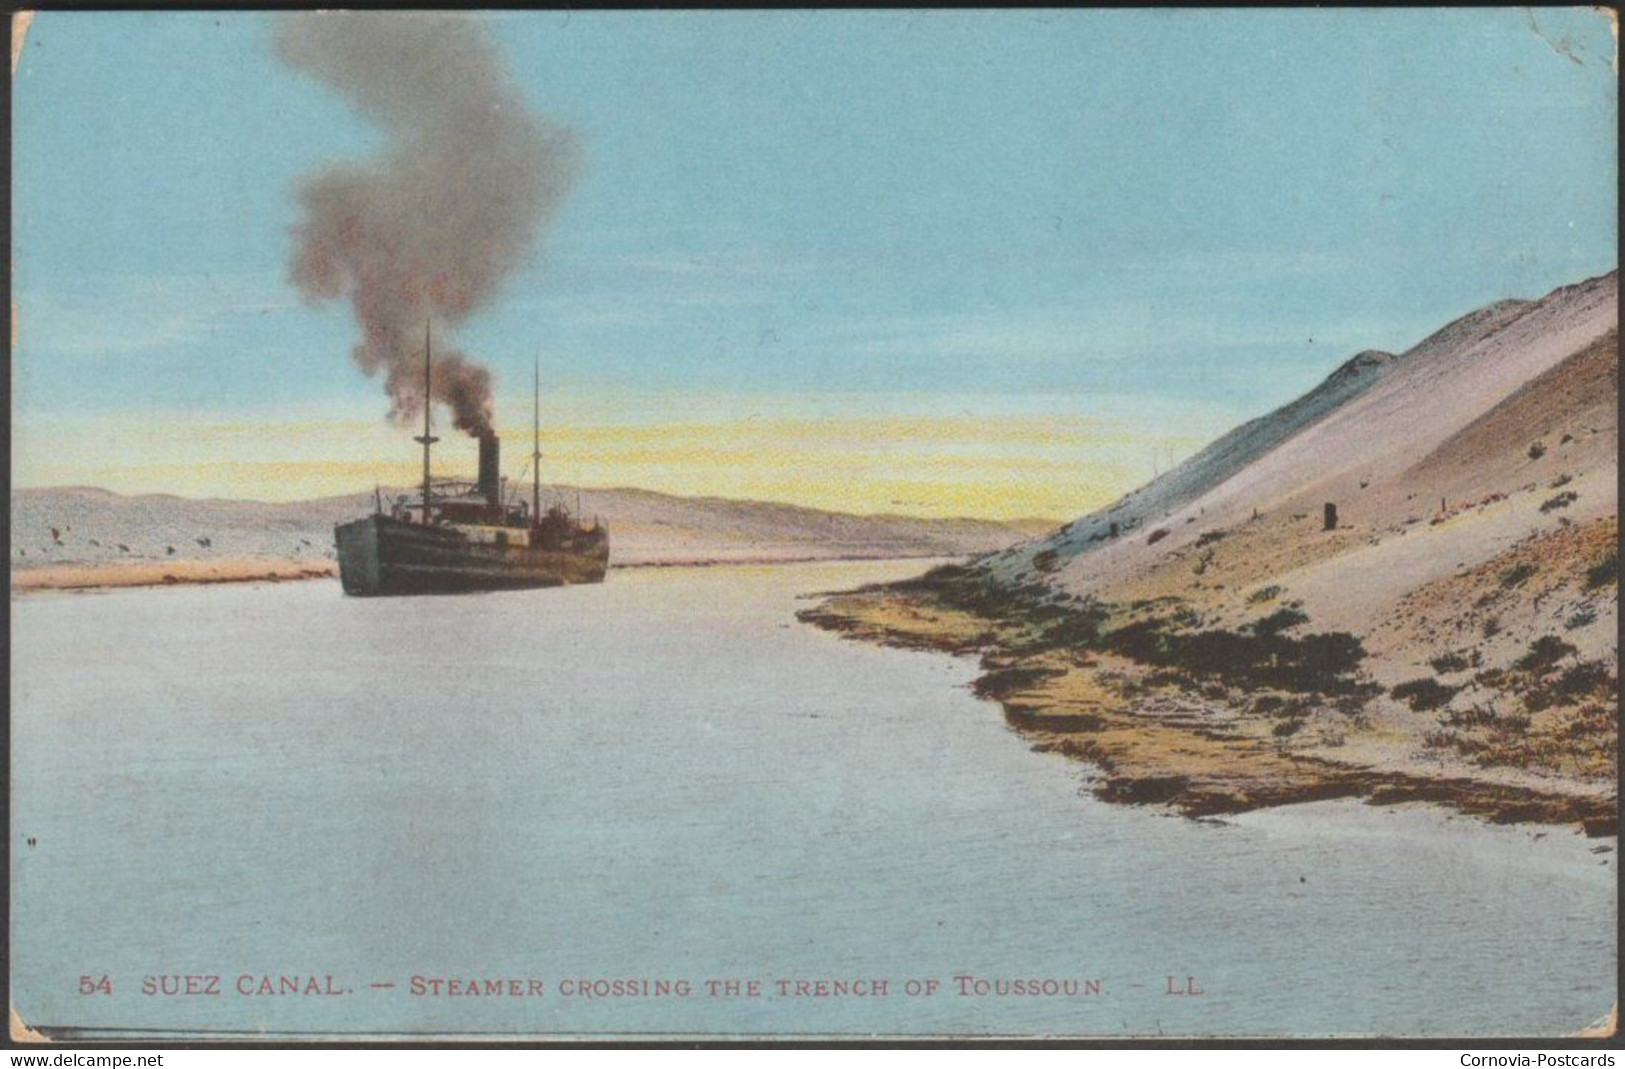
point(811, 525)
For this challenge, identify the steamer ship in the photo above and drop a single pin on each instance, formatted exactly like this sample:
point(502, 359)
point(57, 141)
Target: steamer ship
point(460, 537)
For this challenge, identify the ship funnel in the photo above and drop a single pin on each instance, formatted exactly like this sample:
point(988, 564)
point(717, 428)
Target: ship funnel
point(491, 468)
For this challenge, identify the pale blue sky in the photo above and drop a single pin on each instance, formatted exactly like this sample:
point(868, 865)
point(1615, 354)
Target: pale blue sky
point(1159, 205)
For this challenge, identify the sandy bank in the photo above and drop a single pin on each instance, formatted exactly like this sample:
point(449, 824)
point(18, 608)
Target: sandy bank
point(1201, 750)
point(182, 572)
point(166, 573)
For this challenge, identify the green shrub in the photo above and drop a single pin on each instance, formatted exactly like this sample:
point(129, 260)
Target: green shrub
point(1515, 575)
point(1315, 664)
point(1584, 679)
point(1423, 694)
point(1003, 682)
point(1581, 619)
point(1282, 619)
point(1449, 662)
point(1603, 572)
point(1543, 653)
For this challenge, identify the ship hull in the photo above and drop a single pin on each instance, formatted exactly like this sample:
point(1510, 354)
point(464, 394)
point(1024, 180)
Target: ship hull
point(380, 556)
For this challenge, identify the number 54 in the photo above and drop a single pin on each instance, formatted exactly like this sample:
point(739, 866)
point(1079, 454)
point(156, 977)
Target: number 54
point(95, 985)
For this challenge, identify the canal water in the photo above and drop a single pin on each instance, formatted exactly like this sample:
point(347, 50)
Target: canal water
point(663, 806)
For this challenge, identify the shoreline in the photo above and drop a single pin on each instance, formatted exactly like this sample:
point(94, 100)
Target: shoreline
point(79, 577)
point(1193, 751)
point(137, 575)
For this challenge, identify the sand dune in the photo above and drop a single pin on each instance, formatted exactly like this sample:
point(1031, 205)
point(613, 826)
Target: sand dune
point(1357, 445)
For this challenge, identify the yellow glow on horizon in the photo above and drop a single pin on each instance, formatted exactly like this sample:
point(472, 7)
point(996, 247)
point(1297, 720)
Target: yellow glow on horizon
point(1012, 467)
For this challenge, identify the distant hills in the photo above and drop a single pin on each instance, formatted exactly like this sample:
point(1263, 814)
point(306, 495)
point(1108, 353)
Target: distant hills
point(91, 531)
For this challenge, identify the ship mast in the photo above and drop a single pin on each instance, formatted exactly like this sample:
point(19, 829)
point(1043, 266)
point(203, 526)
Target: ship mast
point(427, 439)
point(536, 448)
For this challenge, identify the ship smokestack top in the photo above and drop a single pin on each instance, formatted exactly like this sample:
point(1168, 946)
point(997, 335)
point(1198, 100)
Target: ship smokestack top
point(491, 468)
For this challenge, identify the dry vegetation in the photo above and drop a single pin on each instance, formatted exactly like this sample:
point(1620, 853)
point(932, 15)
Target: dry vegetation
point(1205, 720)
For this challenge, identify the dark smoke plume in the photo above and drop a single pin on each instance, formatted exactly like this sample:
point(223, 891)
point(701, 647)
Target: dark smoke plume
point(451, 207)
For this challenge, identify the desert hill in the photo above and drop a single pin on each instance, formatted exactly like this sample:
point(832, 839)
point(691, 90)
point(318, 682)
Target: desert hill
point(1355, 441)
point(1412, 568)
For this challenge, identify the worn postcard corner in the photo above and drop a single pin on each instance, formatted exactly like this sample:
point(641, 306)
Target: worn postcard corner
point(21, 1033)
point(20, 21)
